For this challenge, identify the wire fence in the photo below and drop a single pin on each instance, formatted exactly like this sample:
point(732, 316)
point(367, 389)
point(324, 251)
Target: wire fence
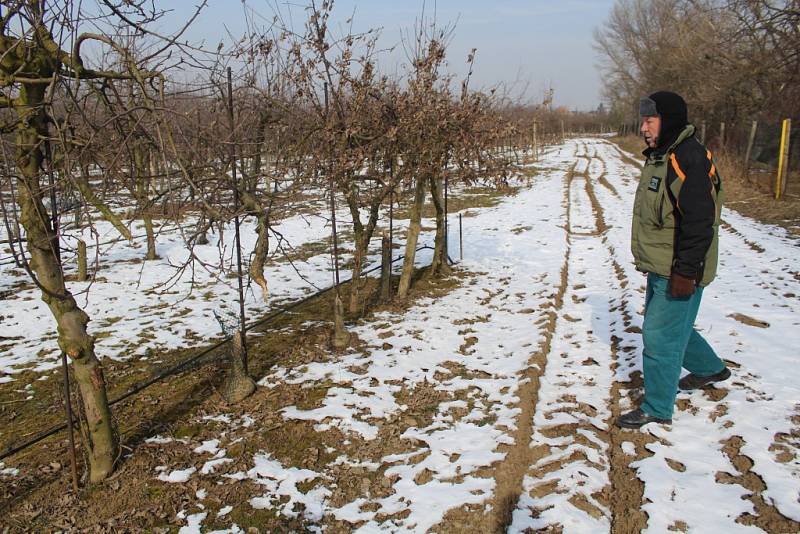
point(753, 147)
point(189, 362)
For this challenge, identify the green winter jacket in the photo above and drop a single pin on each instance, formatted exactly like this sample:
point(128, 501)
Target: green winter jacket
point(676, 212)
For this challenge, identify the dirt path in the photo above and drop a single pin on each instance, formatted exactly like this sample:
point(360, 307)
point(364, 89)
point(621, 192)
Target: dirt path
point(668, 464)
point(569, 483)
point(587, 475)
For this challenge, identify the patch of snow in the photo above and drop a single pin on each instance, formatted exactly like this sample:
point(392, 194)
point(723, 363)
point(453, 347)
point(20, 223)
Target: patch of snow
point(193, 523)
point(159, 440)
point(280, 482)
point(8, 471)
point(211, 465)
point(210, 446)
point(225, 510)
point(178, 475)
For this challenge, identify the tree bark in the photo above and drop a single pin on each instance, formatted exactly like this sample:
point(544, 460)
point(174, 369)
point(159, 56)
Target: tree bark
point(414, 226)
point(439, 264)
point(261, 248)
point(99, 438)
point(147, 166)
point(362, 237)
point(341, 337)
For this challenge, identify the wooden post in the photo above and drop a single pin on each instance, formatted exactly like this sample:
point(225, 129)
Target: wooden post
point(535, 145)
point(237, 239)
point(460, 239)
point(82, 270)
point(703, 132)
point(783, 158)
point(386, 268)
point(750, 141)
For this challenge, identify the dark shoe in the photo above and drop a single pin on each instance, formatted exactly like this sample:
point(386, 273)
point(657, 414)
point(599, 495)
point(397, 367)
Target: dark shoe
point(692, 381)
point(637, 418)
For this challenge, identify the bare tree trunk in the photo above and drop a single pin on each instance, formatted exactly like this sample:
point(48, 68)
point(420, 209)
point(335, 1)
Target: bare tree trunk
point(341, 337)
point(99, 438)
point(147, 219)
point(148, 165)
point(261, 248)
point(359, 253)
point(439, 264)
point(412, 237)
point(362, 237)
point(85, 188)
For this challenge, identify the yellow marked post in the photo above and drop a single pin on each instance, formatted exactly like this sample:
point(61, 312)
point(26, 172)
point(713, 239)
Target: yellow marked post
point(783, 158)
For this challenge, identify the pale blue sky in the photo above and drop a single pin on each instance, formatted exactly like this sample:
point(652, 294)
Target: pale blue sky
point(524, 44)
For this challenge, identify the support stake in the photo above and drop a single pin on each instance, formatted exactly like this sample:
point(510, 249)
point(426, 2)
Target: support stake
point(750, 141)
point(242, 317)
point(783, 158)
point(460, 239)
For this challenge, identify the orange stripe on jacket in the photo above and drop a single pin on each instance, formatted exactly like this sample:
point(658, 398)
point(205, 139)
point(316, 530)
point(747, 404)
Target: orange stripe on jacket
point(713, 168)
point(677, 167)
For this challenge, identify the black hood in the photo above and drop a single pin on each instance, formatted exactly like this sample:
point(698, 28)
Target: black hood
point(674, 116)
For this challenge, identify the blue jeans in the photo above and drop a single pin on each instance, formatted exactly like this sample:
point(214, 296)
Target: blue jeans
point(671, 342)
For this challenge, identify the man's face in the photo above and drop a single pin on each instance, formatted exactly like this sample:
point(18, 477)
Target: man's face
point(651, 126)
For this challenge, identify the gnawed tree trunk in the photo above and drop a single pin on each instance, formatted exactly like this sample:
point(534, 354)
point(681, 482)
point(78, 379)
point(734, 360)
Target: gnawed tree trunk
point(99, 439)
point(439, 264)
point(261, 248)
point(414, 226)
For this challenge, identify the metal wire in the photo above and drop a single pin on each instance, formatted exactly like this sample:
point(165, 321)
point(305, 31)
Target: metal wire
point(12, 450)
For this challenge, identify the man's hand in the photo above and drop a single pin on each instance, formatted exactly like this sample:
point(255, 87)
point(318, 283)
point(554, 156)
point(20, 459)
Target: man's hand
point(680, 286)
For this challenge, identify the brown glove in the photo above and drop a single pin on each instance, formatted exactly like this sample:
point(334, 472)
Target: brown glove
point(680, 286)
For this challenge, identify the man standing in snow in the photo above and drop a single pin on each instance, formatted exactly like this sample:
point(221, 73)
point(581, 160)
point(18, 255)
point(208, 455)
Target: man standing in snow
point(676, 215)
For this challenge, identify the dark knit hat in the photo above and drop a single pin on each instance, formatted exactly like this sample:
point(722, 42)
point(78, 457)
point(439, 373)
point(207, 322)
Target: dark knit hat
point(672, 110)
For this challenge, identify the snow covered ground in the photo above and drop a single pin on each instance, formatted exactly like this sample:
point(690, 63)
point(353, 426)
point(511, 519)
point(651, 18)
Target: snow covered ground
point(546, 273)
point(141, 308)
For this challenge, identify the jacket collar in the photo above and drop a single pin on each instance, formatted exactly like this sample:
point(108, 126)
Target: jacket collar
point(660, 154)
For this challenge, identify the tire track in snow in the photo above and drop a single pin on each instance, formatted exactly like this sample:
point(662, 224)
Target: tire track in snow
point(522, 455)
point(669, 461)
point(568, 484)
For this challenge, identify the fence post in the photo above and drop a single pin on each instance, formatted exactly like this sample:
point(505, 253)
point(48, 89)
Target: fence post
point(242, 316)
point(83, 274)
point(238, 385)
point(703, 132)
point(460, 239)
point(750, 141)
point(783, 158)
